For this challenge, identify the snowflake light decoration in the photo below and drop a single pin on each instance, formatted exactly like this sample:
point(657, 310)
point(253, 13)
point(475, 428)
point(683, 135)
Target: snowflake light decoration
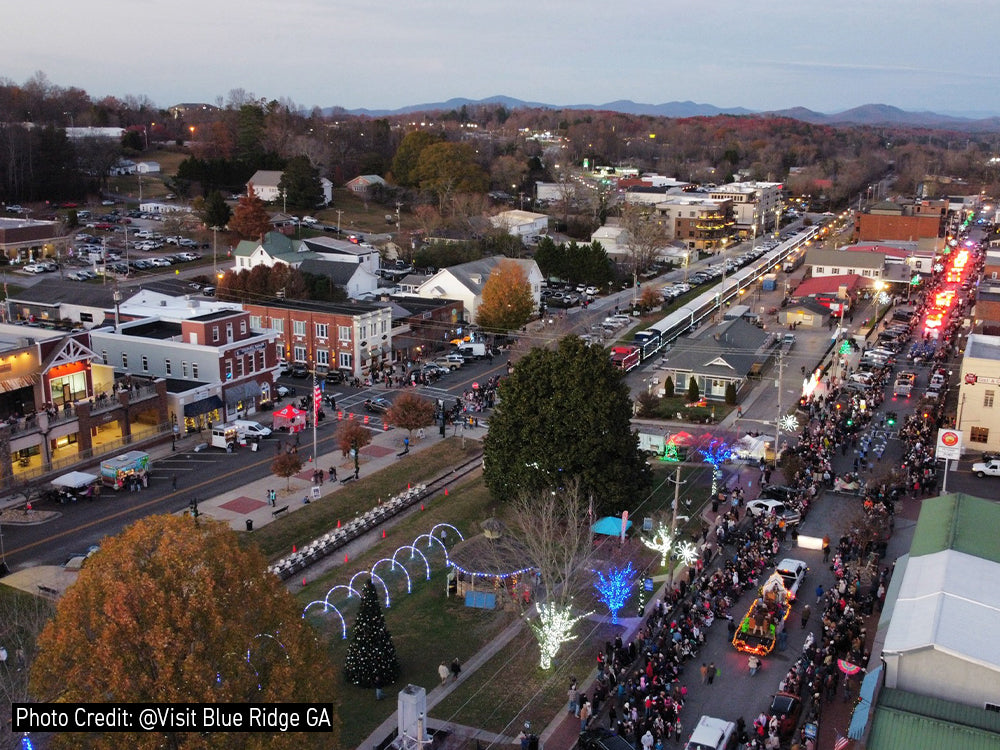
point(788, 423)
point(552, 630)
point(614, 588)
point(883, 298)
point(687, 553)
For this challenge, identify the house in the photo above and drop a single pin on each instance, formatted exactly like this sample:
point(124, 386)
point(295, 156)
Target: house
point(265, 184)
point(354, 337)
point(728, 353)
point(979, 384)
point(807, 313)
point(353, 278)
point(147, 167)
point(465, 283)
point(937, 673)
point(273, 249)
point(362, 184)
point(613, 239)
point(521, 224)
point(831, 291)
point(823, 262)
point(342, 251)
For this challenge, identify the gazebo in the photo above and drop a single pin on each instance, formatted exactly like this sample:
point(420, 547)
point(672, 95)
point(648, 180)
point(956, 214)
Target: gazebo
point(491, 570)
point(289, 418)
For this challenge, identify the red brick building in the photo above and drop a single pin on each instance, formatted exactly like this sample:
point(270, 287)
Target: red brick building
point(901, 221)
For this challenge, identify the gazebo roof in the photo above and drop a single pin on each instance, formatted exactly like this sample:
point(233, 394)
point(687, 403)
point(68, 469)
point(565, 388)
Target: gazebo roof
point(482, 556)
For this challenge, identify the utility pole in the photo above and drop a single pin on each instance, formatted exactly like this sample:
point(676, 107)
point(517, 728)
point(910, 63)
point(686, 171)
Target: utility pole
point(777, 421)
point(339, 212)
point(677, 501)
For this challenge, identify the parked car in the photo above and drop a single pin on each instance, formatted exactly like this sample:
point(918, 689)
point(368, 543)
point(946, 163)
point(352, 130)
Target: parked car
point(765, 506)
point(787, 707)
point(377, 405)
point(284, 390)
point(451, 361)
point(299, 370)
point(713, 734)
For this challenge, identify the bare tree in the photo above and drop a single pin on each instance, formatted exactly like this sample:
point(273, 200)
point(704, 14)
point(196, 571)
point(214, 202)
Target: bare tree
point(645, 235)
point(22, 618)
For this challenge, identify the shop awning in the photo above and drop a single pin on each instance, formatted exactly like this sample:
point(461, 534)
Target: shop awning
point(202, 406)
point(242, 392)
point(13, 384)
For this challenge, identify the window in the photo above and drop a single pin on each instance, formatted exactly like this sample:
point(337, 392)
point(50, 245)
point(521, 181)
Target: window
point(255, 322)
point(239, 367)
point(278, 324)
point(124, 361)
point(385, 326)
point(145, 363)
point(243, 327)
point(322, 330)
point(299, 327)
point(260, 359)
point(194, 370)
point(979, 435)
point(184, 369)
point(346, 361)
point(229, 331)
point(372, 330)
point(344, 333)
point(215, 334)
point(299, 353)
point(323, 357)
point(834, 271)
point(280, 351)
point(819, 269)
point(988, 399)
point(104, 356)
point(229, 369)
point(167, 367)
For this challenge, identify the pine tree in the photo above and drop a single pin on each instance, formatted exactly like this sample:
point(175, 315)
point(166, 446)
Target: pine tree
point(693, 394)
point(371, 655)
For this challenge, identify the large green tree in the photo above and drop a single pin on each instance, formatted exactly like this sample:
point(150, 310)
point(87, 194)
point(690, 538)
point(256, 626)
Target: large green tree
point(404, 163)
point(215, 211)
point(446, 169)
point(564, 415)
point(174, 610)
point(371, 655)
point(300, 183)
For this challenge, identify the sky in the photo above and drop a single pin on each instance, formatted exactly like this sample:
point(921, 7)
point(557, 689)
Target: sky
point(919, 55)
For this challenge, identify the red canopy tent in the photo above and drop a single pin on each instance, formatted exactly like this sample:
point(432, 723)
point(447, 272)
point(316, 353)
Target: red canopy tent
point(290, 418)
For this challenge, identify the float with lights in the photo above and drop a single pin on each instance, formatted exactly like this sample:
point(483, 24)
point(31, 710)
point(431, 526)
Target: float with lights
point(766, 617)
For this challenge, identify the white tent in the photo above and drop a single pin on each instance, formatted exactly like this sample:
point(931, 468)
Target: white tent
point(751, 448)
point(75, 480)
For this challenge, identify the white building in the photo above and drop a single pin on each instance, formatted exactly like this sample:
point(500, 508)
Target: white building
point(265, 186)
point(521, 223)
point(465, 282)
point(155, 207)
point(979, 385)
point(755, 204)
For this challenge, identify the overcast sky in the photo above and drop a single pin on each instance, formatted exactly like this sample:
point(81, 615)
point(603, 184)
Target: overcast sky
point(758, 54)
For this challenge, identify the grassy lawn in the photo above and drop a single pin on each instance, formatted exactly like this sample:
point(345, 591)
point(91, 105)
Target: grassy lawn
point(306, 524)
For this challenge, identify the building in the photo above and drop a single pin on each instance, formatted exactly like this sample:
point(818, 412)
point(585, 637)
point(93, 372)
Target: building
point(362, 184)
point(147, 167)
point(831, 291)
point(699, 222)
point(823, 262)
point(521, 224)
point(216, 366)
point(613, 239)
point(755, 205)
point(60, 404)
point(422, 327)
point(275, 248)
point(987, 309)
point(807, 313)
point(886, 221)
point(157, 207)
point(25, 240)
point(355, 279)
point(342, 251)
point(729, 353)
point(354, 337)
point(978, 415)
point(465, 282)
point(265, 186)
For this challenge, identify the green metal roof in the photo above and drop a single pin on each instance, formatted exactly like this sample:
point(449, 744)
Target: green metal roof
point(907, 721)
point(958, 522)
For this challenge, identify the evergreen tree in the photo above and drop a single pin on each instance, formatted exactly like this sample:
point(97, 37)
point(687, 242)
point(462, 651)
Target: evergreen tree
point(371, 655)
point(693, 393)
point(301, 184)
point(216, 212)
point(668, 387)
point(730, 394)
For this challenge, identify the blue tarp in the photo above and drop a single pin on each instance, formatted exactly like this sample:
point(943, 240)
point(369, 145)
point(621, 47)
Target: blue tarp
point(859, 720)
point(610, 526)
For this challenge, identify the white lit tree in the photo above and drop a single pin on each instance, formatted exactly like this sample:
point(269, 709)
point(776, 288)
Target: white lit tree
point(553, 628)
point(662, 541)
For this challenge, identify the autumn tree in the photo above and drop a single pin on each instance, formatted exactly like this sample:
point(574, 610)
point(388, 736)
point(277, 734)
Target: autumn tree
point(250, 219)
point(650, 298)
point(173, 612)
point(286, 465)
point(371, 655)
point(353, 436)
point(446, 169)
point(645, 235)
point(411, 412)
point(404, 163)
point(507, 302)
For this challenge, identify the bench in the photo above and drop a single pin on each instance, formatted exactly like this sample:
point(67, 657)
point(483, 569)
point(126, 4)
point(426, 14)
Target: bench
point(278, 511)
point(48, 590)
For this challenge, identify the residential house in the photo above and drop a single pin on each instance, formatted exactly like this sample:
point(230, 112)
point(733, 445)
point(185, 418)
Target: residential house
point(341, 251)
point(465, 282)
point(265, 186)
point(979, 385)
point(823, 262)
point(354, 337)
point(729, 353)
point(275, 248)
point(807, 313)
point(521, 224)
point(355, 279)
point(362, 184)
point(147, 167)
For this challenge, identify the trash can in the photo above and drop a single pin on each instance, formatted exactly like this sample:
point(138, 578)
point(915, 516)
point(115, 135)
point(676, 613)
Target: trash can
point(249, 524)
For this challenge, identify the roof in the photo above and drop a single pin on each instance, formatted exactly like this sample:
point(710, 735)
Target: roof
point(729, 350)
point(333, 246)
point(266, 178)
point(338, 273)
point(333, 308)
point(57, 292)
point(515, 216)
point(821, 257)
point(367, 179)
point(810, 305)
point(958, 522)
point(277, 245)
point(908, 721)
point(830, 284)
point(981, 346)
point(473, 275)
point(887, 251)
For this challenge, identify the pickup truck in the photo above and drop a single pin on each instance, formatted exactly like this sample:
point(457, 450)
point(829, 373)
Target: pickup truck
point(450, 361)
point(987, 468)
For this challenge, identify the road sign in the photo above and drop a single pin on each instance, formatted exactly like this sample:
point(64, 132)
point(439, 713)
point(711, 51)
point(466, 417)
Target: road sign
point(949, 445)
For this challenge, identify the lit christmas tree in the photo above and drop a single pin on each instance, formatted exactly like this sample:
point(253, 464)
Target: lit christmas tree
point(614, 588)
point(371, 655)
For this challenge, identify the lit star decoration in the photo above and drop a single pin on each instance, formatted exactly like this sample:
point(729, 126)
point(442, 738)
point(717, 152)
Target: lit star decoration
point(662, 542)
point(788, 423)
point(614, 588)
point(552, 630)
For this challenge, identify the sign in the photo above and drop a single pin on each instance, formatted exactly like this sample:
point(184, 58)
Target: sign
point(647, 584)
point(949, 445)
point(972, 379)
point(624, 524)
point(253, 348)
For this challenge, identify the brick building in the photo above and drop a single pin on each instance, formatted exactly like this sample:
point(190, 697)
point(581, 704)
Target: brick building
point(887, 221)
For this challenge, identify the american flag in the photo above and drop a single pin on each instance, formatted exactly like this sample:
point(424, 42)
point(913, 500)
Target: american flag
point(841, 743)
point(317, 400)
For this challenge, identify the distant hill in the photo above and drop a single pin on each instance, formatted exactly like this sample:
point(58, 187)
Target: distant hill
point(868, 114)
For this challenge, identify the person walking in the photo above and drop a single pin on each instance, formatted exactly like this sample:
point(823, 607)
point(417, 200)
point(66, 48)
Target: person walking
point(704, 673)
point(443, 672)
point(333, 473)
point(819, 594)
point(456, 669)
point(574, 698)
point(754, 664)
point(173, 482)
point(584, 715)
point(711, 672)
point(826, 548)
point(806, 612)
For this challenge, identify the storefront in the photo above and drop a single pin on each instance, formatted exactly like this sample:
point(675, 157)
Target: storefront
point(203, 413)
point(67, 383)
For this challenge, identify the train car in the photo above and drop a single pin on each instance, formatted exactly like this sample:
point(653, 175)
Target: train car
point(648, 341)
point(626, 358)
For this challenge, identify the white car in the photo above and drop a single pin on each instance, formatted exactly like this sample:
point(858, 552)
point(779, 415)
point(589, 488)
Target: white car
point(160, 262)
point(793, 573)
point(34, 268)
point(763, 507)
point(987, 468)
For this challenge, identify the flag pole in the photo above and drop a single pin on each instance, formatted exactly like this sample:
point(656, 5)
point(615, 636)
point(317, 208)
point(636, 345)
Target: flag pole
point(316, 399)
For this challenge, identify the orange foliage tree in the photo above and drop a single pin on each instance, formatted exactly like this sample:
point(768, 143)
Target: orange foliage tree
point(411, 412)
point(250, 220)
point(507, 302)
point(177, 612)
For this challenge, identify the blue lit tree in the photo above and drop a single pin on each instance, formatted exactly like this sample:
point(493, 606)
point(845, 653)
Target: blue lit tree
point(716, 452)
point(614, 588)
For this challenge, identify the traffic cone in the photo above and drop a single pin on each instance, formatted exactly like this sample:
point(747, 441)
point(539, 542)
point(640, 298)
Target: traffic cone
point(366, 420)
point(409, 485)
point(293, 549)
point(446, 492)
point(345, 558)
point(421, 506)
point(351, 415)
point(338, 523)
point(383, 533)
point(340, 415)
point(303, 580)
point(385, 427)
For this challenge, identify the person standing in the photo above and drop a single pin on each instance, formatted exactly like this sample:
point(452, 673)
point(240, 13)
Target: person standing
point(704, 673)
point(456, 669)
point(826, 548)
point(711, 672)
point(443, 673)
point(806, 612)
point(584, 715)
point(754, 664)
point(574, 699)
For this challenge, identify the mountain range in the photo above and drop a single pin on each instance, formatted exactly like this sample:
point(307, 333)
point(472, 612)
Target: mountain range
point(869, 114)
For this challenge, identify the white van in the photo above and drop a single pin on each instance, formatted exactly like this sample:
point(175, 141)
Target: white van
point(712, 734)
point(472, 350)
point(252, 429)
